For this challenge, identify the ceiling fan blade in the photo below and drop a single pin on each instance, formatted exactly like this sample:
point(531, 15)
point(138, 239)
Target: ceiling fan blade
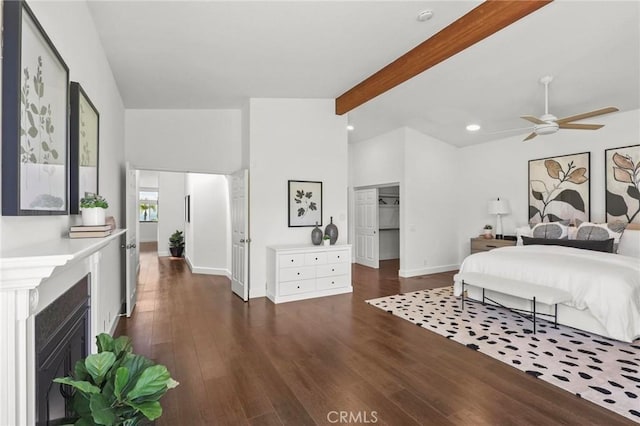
point(575, 126)
point(531, 136)
point(587, 115)
point(532, 119)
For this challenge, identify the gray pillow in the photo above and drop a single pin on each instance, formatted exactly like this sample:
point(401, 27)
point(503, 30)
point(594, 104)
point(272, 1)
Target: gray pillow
point(552, 230)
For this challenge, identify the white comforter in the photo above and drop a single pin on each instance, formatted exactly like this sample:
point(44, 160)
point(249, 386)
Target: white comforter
point(606, 284)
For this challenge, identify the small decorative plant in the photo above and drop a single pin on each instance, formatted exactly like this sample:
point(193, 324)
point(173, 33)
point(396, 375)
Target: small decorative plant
point(93, 200)
point(115, 386)
point(326, 240)
point(487, 231)
point(488, 227)
point(176, 243)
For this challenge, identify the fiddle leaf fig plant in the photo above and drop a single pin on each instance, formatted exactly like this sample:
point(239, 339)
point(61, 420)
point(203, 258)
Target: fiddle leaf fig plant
point(115, 386)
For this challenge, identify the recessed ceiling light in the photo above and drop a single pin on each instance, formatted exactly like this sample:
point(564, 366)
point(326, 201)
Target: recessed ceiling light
point(473, 127)
point(350, 127)
point(425, 15)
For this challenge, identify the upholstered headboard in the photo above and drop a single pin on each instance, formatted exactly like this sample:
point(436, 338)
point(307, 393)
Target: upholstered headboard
point(630, 243)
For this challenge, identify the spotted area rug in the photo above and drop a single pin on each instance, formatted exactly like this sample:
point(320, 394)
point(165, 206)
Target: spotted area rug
point(601, 370)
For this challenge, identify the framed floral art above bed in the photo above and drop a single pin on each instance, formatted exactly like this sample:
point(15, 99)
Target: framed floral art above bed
point(622, 180)
point(559, 188)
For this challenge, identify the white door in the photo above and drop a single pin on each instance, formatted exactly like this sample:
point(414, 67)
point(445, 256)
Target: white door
point(240, 234)
point(131, 245)
point(367, 236)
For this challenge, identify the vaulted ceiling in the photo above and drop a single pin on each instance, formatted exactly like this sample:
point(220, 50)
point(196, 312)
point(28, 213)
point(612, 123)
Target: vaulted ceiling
point(216, 54)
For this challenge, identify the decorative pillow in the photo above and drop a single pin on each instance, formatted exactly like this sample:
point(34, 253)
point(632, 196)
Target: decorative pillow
point(601, 231)
point(555, 230)
point(522, 231)
point(595, 245)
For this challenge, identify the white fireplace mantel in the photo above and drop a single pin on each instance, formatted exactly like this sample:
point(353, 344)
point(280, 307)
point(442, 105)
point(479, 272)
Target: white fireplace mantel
point(22, 270)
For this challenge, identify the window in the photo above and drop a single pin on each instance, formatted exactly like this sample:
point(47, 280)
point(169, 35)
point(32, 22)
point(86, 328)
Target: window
point(148, 205)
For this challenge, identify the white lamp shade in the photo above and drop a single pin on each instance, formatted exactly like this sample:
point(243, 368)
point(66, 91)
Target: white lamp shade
point(499, 207)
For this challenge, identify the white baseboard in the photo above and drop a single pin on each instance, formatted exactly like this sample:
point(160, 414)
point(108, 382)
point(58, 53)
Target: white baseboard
point(209, 271)
point(406, 273)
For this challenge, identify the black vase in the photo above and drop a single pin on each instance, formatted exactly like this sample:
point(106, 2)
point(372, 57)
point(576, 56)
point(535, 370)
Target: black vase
point(316, 235)
point(332, 231)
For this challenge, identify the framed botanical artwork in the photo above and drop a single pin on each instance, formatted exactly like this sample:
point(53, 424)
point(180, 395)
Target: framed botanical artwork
point(622, 184)
point(35, 98)
point(559, 188)
point(305, 203)
point(83, 147)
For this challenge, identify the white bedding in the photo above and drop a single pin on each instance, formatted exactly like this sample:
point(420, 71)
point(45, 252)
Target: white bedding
point(606, 284)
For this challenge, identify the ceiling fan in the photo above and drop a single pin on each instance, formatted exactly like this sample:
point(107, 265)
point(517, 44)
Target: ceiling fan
point(547, 123)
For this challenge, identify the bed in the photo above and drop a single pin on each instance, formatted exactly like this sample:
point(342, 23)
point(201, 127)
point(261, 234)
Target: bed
point(605, 287)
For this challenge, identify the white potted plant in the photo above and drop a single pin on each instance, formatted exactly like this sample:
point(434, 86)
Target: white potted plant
point(326, 240)
point(487, 231)
point(94, 209)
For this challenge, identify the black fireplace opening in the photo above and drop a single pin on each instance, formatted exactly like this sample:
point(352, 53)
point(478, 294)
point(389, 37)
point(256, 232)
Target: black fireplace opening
point(61, 339)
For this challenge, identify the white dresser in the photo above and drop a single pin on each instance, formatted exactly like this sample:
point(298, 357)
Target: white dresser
point(296, 272)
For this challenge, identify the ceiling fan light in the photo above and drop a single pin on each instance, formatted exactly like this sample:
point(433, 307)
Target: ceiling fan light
point(473, 127)
point(546, 129)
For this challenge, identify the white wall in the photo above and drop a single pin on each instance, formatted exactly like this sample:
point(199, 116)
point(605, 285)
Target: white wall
point(500, 169)
point(171, 187)
point(207, 141)
point(293, 139)
point(207, 232)
point(429, 209)
point(148, 232)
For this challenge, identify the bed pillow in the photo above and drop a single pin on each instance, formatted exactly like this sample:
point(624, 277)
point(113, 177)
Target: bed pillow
point(522, 231)
point(595, 245)
point(601, 231)
point(550, 230)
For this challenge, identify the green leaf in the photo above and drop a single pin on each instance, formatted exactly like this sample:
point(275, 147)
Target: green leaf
point(22, 132)
point(572, 197)
point(45, 146)
point(43, 110)
point(121, 344)
point(34, 109)
point(151, 409)
point(616, 205)
point(102, 413)
point(99, 364)
point(81, 385)
point(81, 405)
point(136, 364)
point(83, 422)
point(122, 379)
point(80, 371)
point(33, 132)
point(54, 154)
point(33, 159)
point(151, 381)
point(300, 212)
point(105, 342)
point(30, 117)
point(537, 195)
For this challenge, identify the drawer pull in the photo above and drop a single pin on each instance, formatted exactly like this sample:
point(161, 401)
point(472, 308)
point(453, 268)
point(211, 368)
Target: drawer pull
point(298, 286)
point(291, 260)
point(298, 273)
point(338, 256)
point(333, 270)
point(316, 258)
point(333, 282)
point(490, 246)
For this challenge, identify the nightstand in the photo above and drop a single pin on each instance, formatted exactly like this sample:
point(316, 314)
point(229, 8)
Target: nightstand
point(479, 244)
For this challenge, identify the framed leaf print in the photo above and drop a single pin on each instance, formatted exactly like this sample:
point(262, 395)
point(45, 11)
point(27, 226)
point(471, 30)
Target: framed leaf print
point(83, 148)
point(305, 203)
point(35, 98)
point(622, 184)
point(559, 188)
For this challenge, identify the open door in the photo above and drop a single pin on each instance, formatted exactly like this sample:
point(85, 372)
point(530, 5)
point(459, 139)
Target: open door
point(367, 236)
point(240, 234)
point(131, 245)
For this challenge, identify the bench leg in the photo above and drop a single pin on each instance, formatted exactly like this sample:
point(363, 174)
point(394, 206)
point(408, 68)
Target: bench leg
point(463, 295)
point(534, 315)
point(555, 317)
point(483, 297)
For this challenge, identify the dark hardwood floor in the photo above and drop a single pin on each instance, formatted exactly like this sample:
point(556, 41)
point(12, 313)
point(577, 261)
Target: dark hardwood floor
point(311, 362)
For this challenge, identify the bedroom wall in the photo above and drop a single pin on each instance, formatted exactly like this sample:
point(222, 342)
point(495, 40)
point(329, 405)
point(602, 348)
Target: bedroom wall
point(500, 168)
point(205, 141)
point(293, 139)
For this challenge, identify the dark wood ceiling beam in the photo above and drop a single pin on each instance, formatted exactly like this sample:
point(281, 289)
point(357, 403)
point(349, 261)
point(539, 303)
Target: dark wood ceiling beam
point(486, 19)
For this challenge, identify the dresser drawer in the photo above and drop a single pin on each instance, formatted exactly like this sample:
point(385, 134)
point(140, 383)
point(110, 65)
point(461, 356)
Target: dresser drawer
point(485, 244)
point(315, 258)
point(300, 273)
point(296, 287)
point(332, 269)
point(338, 256)
point(288, 260)
point(332, 282)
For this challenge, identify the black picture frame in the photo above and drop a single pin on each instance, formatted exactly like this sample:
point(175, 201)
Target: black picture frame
point(622, 192)
point(35, 118)
point(304, 203)
point(84, 147)
point(570, 197)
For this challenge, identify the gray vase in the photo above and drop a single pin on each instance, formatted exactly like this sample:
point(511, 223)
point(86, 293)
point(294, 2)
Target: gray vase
point(332, 231)
point(316, 235)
